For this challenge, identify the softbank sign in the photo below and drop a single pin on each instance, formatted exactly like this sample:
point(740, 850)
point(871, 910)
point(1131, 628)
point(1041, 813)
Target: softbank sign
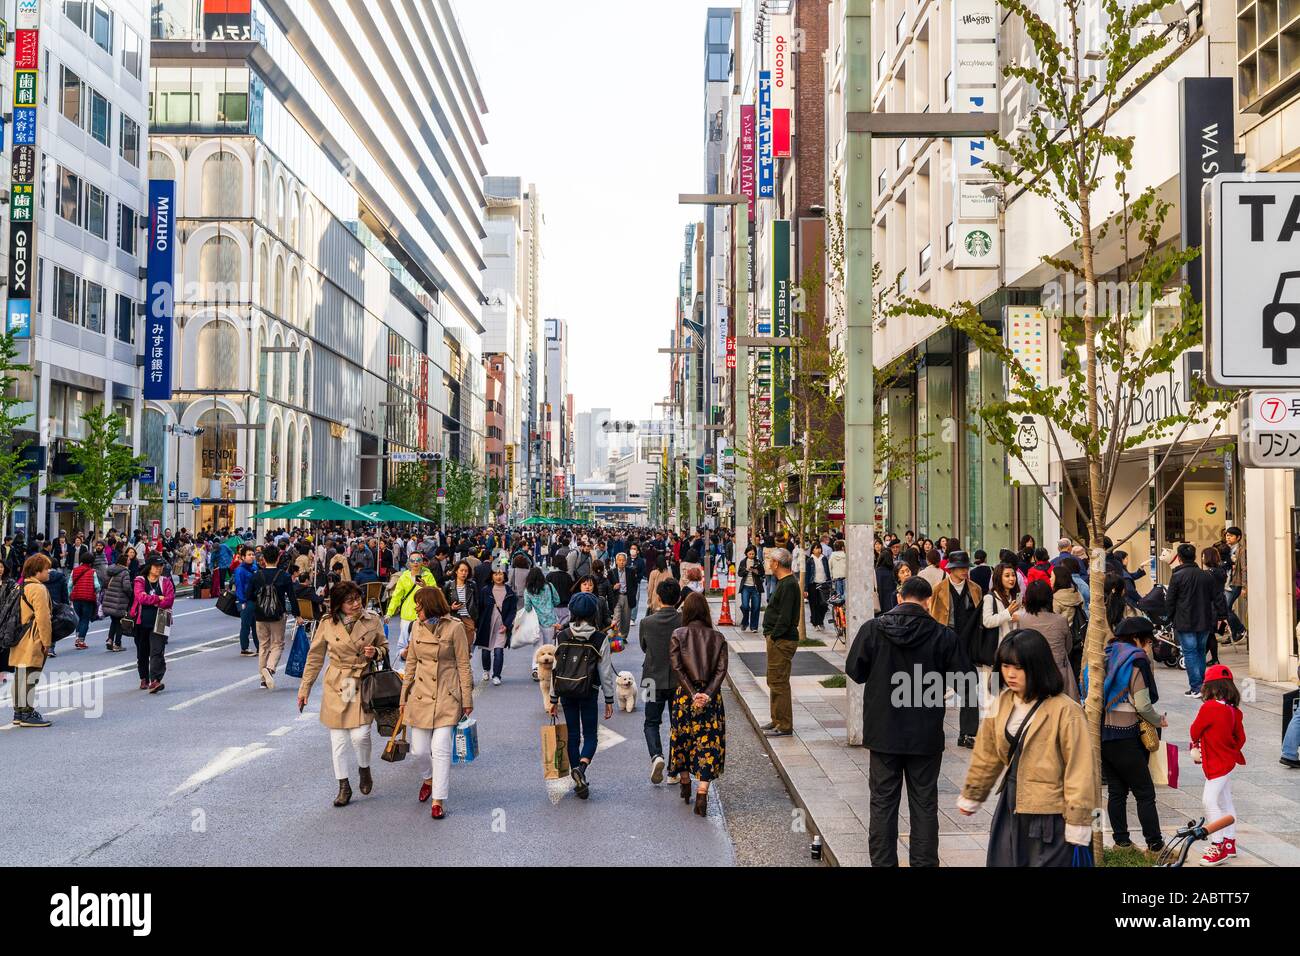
point(782, 84)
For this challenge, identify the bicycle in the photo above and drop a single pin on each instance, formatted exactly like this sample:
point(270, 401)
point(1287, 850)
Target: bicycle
point(1176, 849)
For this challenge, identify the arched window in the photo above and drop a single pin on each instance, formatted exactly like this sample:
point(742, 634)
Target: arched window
point(215, 449)
point(280, 208)
point(292, 314)
point(292, 397)
point(304, 464)
point(277, 295)
point(219, 270)
point(263, 277)
point(306, 379)
point(273, 468)
point(161, 166)
point(264, 193)
point(291, 462)
point(308, 233)
point(294, 209)
point(223, 188)
point(218, 355)
point(153, 438)
point(261, 360)
point(276, 364)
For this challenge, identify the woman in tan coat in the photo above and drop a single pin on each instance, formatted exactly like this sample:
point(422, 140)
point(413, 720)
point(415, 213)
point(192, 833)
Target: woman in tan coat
point(354, 639)
point(437, 691)
point(27, 657)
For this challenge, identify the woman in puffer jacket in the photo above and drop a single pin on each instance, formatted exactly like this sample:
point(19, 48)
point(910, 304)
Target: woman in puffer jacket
point(118, 596)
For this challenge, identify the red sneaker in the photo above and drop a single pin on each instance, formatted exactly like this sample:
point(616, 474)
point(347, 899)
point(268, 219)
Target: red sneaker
point(144, 685)
point(1230, 847)
point(80, 645)
point(1216, 854)
point(426, 791)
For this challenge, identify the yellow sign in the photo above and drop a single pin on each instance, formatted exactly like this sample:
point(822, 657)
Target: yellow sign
point(510, 453)
point(337, 430)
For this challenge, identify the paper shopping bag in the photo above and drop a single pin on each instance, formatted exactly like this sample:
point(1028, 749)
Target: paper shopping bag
point(1158, 764)
point(555, 752)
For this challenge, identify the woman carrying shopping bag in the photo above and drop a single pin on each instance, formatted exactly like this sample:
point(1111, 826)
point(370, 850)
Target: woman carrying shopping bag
point(437, 690)
point(151, 611)
point(353, 638)
point(541, 599)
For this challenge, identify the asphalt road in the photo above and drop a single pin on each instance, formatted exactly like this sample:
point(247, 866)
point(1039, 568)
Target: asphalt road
point(217, 770)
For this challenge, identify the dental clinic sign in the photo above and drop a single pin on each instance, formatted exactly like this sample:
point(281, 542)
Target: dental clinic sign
point(1252, 295)
point(161, 293)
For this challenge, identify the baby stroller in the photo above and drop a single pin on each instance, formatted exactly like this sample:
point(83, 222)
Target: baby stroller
point(1166, 648)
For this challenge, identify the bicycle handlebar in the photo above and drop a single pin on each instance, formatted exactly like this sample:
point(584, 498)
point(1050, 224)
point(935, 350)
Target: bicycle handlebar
point(1219, 824)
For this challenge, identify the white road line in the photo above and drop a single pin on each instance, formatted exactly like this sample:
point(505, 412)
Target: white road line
point(203, 648)
point(227, 760)
point(214, 693)
point(104, 630)
point(280, 731)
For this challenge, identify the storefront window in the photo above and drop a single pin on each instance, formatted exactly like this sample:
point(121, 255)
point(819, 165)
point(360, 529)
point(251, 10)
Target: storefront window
point(215, 449)
point(205, 99)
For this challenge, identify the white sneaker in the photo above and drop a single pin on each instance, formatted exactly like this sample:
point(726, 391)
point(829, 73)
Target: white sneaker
point(657, 770)
point(487, 675)
point(496, 682)
point(672, 779)
point(269, 677)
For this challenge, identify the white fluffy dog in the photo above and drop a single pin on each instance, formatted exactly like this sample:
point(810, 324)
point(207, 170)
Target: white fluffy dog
point(544, 661)
point(625, 690)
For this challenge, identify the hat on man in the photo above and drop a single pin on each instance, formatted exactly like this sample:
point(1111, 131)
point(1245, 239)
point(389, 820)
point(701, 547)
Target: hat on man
point(958, 560)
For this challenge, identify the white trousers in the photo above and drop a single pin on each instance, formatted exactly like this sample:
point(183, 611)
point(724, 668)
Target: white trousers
point(436, 744)
point(1218, 803)
point(359, 738)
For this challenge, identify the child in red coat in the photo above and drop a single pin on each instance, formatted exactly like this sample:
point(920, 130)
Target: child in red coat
point(1218, 736)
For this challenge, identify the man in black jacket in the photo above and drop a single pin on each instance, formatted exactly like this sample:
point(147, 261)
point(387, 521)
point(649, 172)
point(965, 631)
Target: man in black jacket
point(270, 627)
point(904, 659)
point(1196, 605)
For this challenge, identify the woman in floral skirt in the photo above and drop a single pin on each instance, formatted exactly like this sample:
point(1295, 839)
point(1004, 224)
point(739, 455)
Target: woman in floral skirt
point(698, 739)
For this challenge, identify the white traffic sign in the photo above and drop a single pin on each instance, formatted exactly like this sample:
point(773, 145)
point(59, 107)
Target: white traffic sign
point(1274, 411)
point(404, 457)
point(1271, 450)
point(1252, 328)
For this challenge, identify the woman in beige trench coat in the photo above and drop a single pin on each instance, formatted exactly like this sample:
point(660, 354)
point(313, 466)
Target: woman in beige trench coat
point(354, 639)
point(437, 691)
point(27, 658)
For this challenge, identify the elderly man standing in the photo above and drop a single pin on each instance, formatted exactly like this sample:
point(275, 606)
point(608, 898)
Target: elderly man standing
point(956, 604)
point(781, 629)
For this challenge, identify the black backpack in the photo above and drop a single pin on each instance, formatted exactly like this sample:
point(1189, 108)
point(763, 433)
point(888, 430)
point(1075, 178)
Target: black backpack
point(12, 630)
point(1078, 630)
point(576, 661)
point(267, 602)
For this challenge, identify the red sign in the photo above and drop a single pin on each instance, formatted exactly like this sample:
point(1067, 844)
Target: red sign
point(237, 474)
point(731, 360)
point(26, 49)
point(747, 131)
point(780, 133)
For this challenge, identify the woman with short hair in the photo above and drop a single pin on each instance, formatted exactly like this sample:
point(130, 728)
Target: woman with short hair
point(27, 657)
point(1037, 615)
point(353, 639)
point(1039, 736)
point(154, 594)
point(437, 690)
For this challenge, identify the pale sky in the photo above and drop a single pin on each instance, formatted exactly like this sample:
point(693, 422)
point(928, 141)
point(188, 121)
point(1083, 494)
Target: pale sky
point(601, 104)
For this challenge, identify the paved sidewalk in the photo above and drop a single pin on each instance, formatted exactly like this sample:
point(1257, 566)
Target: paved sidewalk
point(828, 779)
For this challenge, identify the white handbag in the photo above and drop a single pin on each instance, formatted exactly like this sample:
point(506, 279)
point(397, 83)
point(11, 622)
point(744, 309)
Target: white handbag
point(527, 630)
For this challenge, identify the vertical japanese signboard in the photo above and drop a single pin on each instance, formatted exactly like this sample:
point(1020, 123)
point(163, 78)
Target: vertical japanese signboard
point(782, 329)
point(782, 84)
point(747, 133)
point(976, 89)
point(22, 169)
point(161, 273)
point(766, 172)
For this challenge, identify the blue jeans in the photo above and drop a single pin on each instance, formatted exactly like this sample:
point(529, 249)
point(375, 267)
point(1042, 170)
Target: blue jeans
point(1234, 622)
point(654, 718)
point(85, 614)
point(1291, 739)
point(492, 660)
point(749, 607)
point(247, 628)
point(581, 712)
point(1194, 644)
point(839, 587)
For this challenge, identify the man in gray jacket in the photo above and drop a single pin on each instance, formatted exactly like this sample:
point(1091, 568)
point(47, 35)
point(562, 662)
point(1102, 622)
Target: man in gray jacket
point(655, 634)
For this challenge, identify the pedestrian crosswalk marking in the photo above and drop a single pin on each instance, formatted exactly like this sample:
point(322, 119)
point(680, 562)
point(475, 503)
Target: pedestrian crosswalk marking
point(214, 693)
point(227, 760)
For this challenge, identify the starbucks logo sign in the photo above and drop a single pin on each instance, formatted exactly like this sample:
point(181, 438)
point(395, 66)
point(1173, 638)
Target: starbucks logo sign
point(978, 243)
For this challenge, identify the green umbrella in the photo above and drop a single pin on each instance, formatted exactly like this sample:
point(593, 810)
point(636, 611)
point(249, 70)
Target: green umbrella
point(388, 512)
point(314, 508)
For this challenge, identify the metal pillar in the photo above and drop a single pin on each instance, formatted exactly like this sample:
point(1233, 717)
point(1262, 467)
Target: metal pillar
point(740, 313)
point(859, 418)
point(693, 473)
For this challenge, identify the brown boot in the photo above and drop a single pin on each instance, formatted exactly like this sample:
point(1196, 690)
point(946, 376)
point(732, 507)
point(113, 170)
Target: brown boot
point(366, 782)
point(345, 793)
point(702, 803)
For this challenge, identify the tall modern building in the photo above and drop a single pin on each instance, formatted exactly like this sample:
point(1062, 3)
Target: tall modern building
point(330, 219)
point(559, 438)
point(82, 340)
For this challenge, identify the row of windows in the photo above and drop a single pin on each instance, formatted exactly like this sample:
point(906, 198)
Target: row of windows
point(91, 110)
point(86, 205)
point(97, 20)
point(83, 302)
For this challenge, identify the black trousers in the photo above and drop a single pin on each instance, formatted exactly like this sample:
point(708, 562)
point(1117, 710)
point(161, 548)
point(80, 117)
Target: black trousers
point(968, 716)
point(150, 662)
point(887, 774)
point(817, 603)
point(654, 718)
point(1125, 769)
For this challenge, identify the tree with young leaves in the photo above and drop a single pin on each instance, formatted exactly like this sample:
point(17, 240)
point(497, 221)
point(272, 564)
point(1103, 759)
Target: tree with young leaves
point(1110, 346)
point(13, 477)
point(102, 466)
point(412, 488)
point(464, 488)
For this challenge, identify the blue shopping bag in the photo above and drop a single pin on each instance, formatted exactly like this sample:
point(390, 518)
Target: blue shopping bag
point(298, 653)
point(465, 746)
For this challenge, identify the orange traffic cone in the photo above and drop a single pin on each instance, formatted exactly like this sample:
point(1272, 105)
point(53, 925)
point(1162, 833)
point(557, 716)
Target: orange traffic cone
point(713, 585)
point(724, 618)
point(731, 583)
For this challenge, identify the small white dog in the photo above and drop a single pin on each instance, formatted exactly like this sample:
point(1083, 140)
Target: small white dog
point(544, 662)
point(625, 690)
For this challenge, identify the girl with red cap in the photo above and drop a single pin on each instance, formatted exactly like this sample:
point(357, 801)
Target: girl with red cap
point(1218, 738)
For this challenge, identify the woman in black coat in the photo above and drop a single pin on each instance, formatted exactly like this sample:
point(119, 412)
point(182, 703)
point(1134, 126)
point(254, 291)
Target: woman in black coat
point(886, 583)
point(494, 623)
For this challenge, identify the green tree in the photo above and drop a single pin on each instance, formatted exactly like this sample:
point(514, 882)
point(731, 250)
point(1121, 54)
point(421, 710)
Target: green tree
point(412, 488)
point(12, 477)
point(102, 466)
point(1111, 347)
point(464, 488)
